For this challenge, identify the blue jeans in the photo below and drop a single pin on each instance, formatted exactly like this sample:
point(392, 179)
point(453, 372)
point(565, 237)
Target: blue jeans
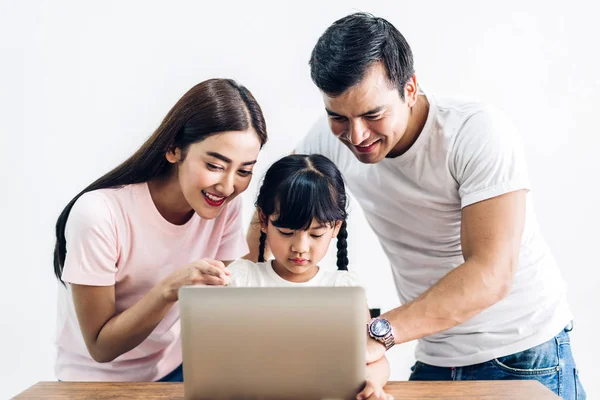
point(550, 363)
point(174, 376)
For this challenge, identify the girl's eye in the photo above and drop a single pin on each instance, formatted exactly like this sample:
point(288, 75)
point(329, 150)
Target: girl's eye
point(285, 233)
point(214, 167)
point(243, 172)
point(318, 236)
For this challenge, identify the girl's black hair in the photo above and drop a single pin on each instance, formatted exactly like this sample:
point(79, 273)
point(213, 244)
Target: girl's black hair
point(299, 188)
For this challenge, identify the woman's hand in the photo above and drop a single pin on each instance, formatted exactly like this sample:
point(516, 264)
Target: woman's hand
point(373, 391)
point(203, 272)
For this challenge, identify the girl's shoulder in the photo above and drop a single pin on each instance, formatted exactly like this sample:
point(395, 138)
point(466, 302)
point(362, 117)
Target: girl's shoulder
point(245, 271)
point(340, 278)
point(240, 265)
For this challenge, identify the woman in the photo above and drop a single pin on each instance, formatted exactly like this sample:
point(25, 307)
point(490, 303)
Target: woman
point(160, 220)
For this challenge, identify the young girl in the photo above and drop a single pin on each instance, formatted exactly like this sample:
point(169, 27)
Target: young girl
point(160, 220)
point(301, 207)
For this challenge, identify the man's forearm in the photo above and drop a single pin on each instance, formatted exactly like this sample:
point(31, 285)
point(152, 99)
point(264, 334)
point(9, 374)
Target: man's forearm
point(460, 295)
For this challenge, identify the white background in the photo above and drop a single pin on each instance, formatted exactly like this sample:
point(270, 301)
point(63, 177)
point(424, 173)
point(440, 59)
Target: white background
point(82, 84)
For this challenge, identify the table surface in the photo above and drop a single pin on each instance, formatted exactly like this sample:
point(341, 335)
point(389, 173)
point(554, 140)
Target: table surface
point(486, 390)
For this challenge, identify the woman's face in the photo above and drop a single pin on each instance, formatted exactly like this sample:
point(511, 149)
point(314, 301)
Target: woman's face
point(216, 170)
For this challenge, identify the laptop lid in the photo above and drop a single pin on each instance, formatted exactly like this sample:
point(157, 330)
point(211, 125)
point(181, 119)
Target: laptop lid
point(280, 343)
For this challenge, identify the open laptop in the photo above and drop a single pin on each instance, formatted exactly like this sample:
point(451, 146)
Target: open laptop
point(273, 343)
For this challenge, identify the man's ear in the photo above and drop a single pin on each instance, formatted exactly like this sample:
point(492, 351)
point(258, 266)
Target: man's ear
point(411, 91)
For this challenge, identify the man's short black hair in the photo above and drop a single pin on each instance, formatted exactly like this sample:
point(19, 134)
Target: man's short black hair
point(351, 45)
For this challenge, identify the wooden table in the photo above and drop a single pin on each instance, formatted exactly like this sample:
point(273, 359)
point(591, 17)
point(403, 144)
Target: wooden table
point(485, 390)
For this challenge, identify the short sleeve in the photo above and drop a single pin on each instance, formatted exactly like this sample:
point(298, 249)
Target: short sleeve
point(91, 243)
point(346, 278)
point(239, 272)
point(233, 242)
point(487, 158)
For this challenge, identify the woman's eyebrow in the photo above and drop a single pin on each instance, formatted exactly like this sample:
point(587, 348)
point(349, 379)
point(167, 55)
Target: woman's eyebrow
point(226, 159)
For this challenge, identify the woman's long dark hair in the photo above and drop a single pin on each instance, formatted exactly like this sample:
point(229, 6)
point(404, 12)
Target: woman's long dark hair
point(209, 108)
point(299, 188)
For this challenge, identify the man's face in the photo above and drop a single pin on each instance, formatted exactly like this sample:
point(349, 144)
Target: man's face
point(371, 118)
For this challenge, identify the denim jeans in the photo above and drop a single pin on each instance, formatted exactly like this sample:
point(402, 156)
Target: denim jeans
point(550, 363)
point(174, 376)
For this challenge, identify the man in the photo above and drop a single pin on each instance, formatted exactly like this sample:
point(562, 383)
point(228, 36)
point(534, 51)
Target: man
point(443, 184)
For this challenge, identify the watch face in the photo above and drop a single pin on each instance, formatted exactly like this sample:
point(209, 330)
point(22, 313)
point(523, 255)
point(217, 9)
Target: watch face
point(380, 327)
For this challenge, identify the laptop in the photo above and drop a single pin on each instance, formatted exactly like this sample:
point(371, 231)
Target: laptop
point(273, 343)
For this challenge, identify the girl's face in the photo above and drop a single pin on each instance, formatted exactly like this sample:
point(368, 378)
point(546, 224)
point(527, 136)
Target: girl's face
point(216, 170)
point(297, 252)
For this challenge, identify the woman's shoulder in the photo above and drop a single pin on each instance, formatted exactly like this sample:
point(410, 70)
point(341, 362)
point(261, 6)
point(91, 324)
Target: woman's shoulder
point(91, 207)
point(103, 207)
point(107, 197)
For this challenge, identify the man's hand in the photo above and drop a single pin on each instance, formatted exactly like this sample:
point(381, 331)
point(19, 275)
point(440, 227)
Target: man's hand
point(375, 350)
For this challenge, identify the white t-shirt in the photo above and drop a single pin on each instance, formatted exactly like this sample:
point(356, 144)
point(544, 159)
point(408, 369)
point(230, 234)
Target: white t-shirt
point(466, 153)
point(245, 273)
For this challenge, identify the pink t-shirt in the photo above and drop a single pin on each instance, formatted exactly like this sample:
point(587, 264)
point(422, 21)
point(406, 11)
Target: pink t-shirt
point(118, 237)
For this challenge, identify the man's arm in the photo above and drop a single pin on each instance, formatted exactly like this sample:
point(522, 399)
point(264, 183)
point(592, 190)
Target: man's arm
point(491, 233)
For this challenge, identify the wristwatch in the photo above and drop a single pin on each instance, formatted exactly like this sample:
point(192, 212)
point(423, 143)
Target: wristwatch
point(381, 330)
